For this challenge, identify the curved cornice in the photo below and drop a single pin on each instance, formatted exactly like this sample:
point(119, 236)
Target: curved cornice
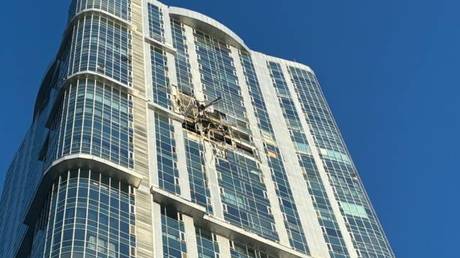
point(99, 75)
point(207, 24)
point(73, 161)
point(97, 11)
point(84, 75)
point(262, 56)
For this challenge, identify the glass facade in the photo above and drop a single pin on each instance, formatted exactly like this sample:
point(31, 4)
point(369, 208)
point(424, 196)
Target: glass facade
point(324, 212)
point(206, 243)
point(119, 8)
point(87, 215)
point(326, 217)
point(156, 29)
point(160, 81)
point(275, 162)
point(244, 195)
point(94, 118)
point(168, 174)
point(172, 228)
point(218, 77)
point(105, 134)
point(101, 45)
point(360, 219)
point(196, 171)
point(183, 72)
point(21, 178)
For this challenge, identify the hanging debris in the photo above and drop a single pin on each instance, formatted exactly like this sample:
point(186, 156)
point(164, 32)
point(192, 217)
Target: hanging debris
point(208, 122)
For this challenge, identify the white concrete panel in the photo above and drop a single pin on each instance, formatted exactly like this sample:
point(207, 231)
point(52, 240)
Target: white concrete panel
point(213, 180)
point(157, 231)
point(194, 64)
point(153, 164)
point(190, 237)
point(224, 247)
point(182, 161)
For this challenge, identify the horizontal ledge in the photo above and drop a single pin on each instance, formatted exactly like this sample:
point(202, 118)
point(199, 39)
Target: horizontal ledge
point(208, 25)
point(74, 161)
point(182, 205)
point(230, 231)
point(166, 46)
point(98, 11)
point(221, 227)
point(166, 111)
point(87, 75)
point(286, 62)
point(101, 76)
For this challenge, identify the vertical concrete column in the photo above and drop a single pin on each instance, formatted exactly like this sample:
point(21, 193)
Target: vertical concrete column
point(153, 164)
point(182, 161)
point(267, 177)
point(213, 180)
point(166, 25)
point(157, 231)
point(140, 111)
point(194, 64)
point(312, 230)
point(319, 164)
point(224, 247)
point(190, 237)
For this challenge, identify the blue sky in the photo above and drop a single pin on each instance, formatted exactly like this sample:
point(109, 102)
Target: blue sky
point(389, 70)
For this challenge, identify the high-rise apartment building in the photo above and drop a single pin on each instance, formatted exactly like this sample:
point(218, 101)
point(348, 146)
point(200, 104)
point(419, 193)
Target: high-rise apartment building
point(158, 133)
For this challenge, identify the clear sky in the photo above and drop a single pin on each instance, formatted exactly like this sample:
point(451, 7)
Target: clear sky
point(389, 70)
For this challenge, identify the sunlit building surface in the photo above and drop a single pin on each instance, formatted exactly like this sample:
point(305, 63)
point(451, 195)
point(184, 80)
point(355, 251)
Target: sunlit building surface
point(158, 133)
